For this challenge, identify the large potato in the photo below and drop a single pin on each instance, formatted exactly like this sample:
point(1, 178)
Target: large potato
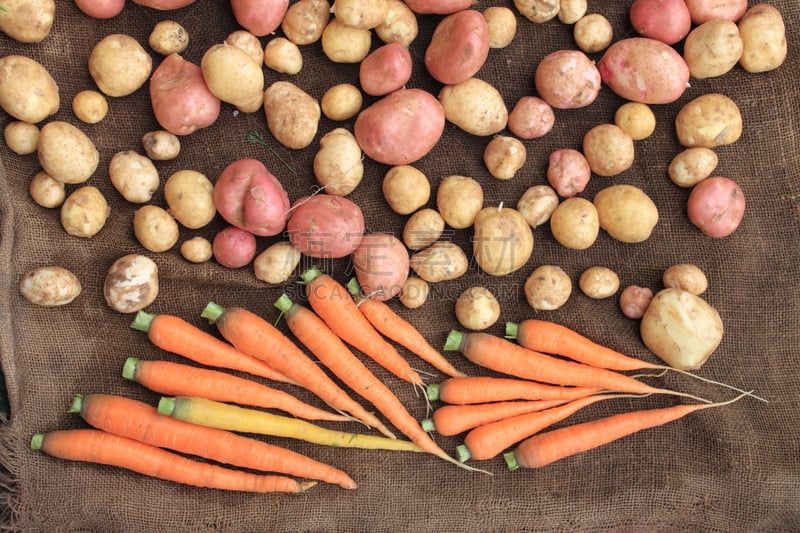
point(458, 47)
point(459, 199)
point(190, 198)
point(66, 153)
point(325, 226)
point(27, 21)
point(385, 69)
point(259, 17)
point(626, 212)
point(475, 106)
point(712, 48)
point(381, 263)
point(338, 164)
point(181, 100)
point(710, 120)
point(27, 90)
point(292, 114)
point(502, 241)
point(232, 76)
point(567, 79)
point(763, 34)
point(119, 65)
point(441, 261)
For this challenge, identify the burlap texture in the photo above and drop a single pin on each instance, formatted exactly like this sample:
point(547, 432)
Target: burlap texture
point(735, 468)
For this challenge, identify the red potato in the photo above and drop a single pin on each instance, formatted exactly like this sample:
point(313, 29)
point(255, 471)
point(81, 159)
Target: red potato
point(164, 5)
point(716, 205)
point(234, 247)
point(704, 10)
point(181, 100)
point(325, 226)
point(249, 197)
point(401, 127)
point(385, 69)
point(259, 17)
point(531, 118)
point(381, 263)
point(567, 79)
point(634, 301)
point(667, 21)
point(568, 172)
point(438, 7)
point(101, 9)
point(458, 47)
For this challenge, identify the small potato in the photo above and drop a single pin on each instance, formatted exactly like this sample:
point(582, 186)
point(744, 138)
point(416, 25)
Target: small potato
point(475, 106)
point(190, 198)
point(504, 156)
point(234, 247)
point(134, 176)
point(161, 145)
point(385, 69)
point(538, 11)
point(90, 106)
point(635, 119)
point(704, 10)
point(50, 286)
point(502, 24)
point(381, 264)
point(21, 137)
point(593, 33)
point(181, 100)
point(305, 20)
point(667, 21)
point(414, 293)
point(364, 14)
point(608, 149)
point(406, 189)
point(502, 241)
point(441, 261)
point(634, 301)
point(247, 43)
point(477, 308)
point(341, 102)
point(233, 77)
point(282, 55)
point(338, 164)
point(399, 25)
point(344, 44)
point(119, 65)
point(66, 153)
point(547, 288)
point(713, 48)
point(84, 212)
point(531, 118)
point(458, 47)
point(27, 90)
point(567, 79)
point(26, 21)
point(537, 203)
point(763, 34)
point(292, 114)
point(568, 172)
point(716, 206)
point(626, 212)
point(575, 224)
point(571, 11)
point(197, 250)
point(154, 228)
point(710, 120)
point(459, 199)
point(168, 37)
point(46, 191)
point(692, 165)
point(277, 262)
point(423, 228)
point(687, 277)
point(599, 282)
point(131, 283)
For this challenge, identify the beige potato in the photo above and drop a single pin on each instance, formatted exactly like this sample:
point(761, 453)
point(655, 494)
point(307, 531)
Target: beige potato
point(27, 21)
point(441, 261)
point(687, 277)
point(571, 11)
point(292, 114)
point(713, 48)
point(477, 308)
point(84, 212)
point(46, 191)
point(27, 90)
point(168, 37)
point(504, 156)
point(134, 176)
point(161, 145)
point(567, 79)
point(692, 165)
point(458, 200)
point(21, 137)
point(502, 24)
point(635, 119)
point(345, 44)
point(305, 20)
point(190, 198)
point(763, 34)
point(155, 228)
point(197, 250)
point(282, 55)
point(362, 14)
point(338, 164)
point(232, 76)
point(406, 189)
point(277, 262)
point(50, 286)
point(626, 212)
point(593, 33)
point(66, 153)
point(423, 228)
point(710, 120)
point(475, 106)
point(399, 25)
point(248, 43)
point(131, 283)
point(119, 65)
point(414, 292)
point(90, 106)
point(502, 240)
point(547, 288)
point(608, 149)
point(537, 203)
point(341, 102)
point(599, 282)
point(575, 223)
point(538, 11)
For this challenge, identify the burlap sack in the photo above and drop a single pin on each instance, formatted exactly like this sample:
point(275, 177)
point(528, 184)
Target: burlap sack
point(734, 468)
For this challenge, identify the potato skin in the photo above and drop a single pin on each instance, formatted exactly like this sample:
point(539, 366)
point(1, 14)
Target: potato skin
point(708, 121)
point(154, 228)
point(713, 48)
point(547, 288)
point(716, 206)
point(50, 286)
point(325, 226)
point(626, 212)
point(234, 247)
point(26, 21)
point(119, 65)
point(667, 21)
point(131, 283)
point(687, 277)
point(567, 79)
point(502, 241)
point(692, 165)
point(27, 90)
point(475, 106)
point(441, 261)
point(259, 17)
point(458, 47)
point(381, 263)
point(66, 153)
point(305, 20)
point(385, 69)
point(338, 165)
point(763, 34)
point(459, 199)
point(134, 176)
point(438, 7)
point(181, 100)
point(233, 77)
point(477, 308)
point(704, 10)
point(190, 197)
point(292, 114)
point(276, 263)
point(531, 118)
point(575, 223)
point(84, 212)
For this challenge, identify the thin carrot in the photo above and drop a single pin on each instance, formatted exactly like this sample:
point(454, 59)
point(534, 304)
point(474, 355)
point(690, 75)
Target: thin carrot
point(501, 355)
point(246, 420)
point(449, 420)
point(401, 331)
point(95, 446)
point(139, 421)
point(176, 379)
point(331, 301)
point(175, 335)
point(545, 448)
point(255, 336)
point(485, 389)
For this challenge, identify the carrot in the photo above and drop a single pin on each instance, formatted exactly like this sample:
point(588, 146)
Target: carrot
point(398, 329)
point(449, 420)
point(175, 379)
point(139, 421)
point(549, 337)
point(331, 301)
point(545, 448)
point(246, 420)
point(255, 336)
point(501, 355)
point(175, 335)
point(484, 389)
point(95, 446)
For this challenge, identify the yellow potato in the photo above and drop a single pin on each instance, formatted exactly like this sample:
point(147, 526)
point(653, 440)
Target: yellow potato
point(422, 229)
point(406, 189)
point(131, 283)
point(575, 224)
point(345, 44)
point(441, 261)
point(84, 212)
point(599, 282)
point(547, 288)
point(414, 292)
point(248, 43)
point(459, 199)
point(713, 48)
point(50, 286)
point(21, 137)
point(538, 11)
point(477, 308)
point(608, 149)
point(537, 203)
point(691, 166)
point(168, 37)
point(27, 21)
point(119, 65)
point(502, 24)
point(710, 120)
point(399, 25)
point(27, 90)
point(504, 156)
point(687, 277)
point(475, 106)
point(134, 176)
point(277, 262)
point(282, 55)
point(154, 228)
point(305, 20)
point(161, 145)
point(362, 14)
point(635, 119)
point(338, 164)
point(502, 240)
point(46, 191)
point(197, 250)
point(763, 35)
point(190, 197)
point(626, 212)
point(90, 106)
point(571, 11)
point(342, 101)
point(292, 114)
point(232, 76)
point(66, 153)
point(593, 33)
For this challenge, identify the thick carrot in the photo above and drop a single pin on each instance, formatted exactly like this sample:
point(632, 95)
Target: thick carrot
point(176, 379)
point(331, 301)
point(139, 421)
point(545, 448)
point(95, 446)
point(175, 335)
point(501, 355)
point(255, 336)
point(449, 420)
point(485, 389)
point(246, 420)
point(401, 331)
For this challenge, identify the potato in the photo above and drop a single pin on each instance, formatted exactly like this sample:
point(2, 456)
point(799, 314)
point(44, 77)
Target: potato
point(134, 176)
point(441, 261)
point(277, 262)
point(385, 69)
point(363, 14)
point(599, 282)
point(423, 228)
point(131, 283)
point(260, 17)
point(190, 198)
point(66, 153)
point(635, 300)
point(197, 250)
point(635, 119)
point(504, 156)
point(608, 149)
point(341, 102)
point(90, 106)
point(458, 200)
point(292, 114)
point(593, 33)
point(406, 189)
point(568, 172)
point(46, 191)
point(704, 10)
point(344, 44)
point(232, 76)
point(438, 7)
point(233, 247)
point(667, 21)
point(567, 79)
point(536, 204)
point(381, 264)
point(305, 20)
point(27, 21)
point(547, 288)
point(680, 328)
point(687, 277)
point(414, 293)
point(571, 11)
point(575, 224)
point(161, 145)
point(338, 164)
point(692, 165)
point(247, 43)
point(475, 106)
point(713, 48)
point(531, 118)
point(644, 70)
point(181, 100)
point(168, 37)
point(763, 34)
point(119, 65)
point(27, 90)
point(164, 5)
point(477, 308)
point(458, 47)
point(502, 240)
point(626, 212)
point(502, 25)
point(325, 226)
point(710, 120)
point(716, 206)
point(538, 11)
point(154, 228)
point(401, 127)
point(21, 137)
point(282, 55)
point(50, 286)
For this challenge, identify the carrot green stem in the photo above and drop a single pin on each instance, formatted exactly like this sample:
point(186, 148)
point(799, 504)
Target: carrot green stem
point(354, 287)
point(142, 321)
point(77, 403)
point(166, 405)
point(512, 329)
point(212, 312)
point(36, 441)
point(433, 391)
point(310, 274)
point(511, 460)
point(453, 341)
point(462, 453)
point(427, 425)
point(129, 368)
point(284, 303)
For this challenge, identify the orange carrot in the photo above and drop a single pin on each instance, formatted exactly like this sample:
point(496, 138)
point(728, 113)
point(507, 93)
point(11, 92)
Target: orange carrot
point(95, 446)
point(545, 448)
point(139, 421)
point(398, 329)
point(449, 420)
point(255, 336)
point(175, 335)
point(484, 389)
point(501, 355)
point(175, 379)
point(331, 301)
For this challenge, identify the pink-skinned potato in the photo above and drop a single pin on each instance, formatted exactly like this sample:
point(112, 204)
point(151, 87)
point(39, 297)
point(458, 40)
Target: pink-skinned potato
point(716, 206)
point(181, 100)
point(381, 263)
point(234, 247)
point(438, 7)
point(667, 21)
point(250, 197)
point(386, 69)
point(458, 47)
point(259, 17)
point(400, 128)
point(101, 9)
point(325, 226)
point(164, 5)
